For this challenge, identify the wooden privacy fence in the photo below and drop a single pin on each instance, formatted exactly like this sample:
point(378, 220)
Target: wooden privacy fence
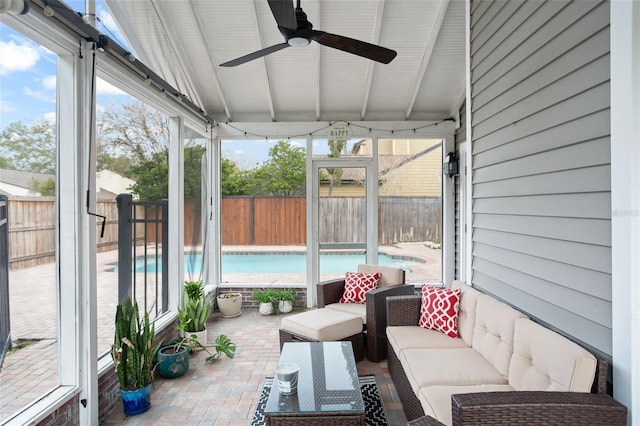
point(245, 221)
point(32, 231)
point(282, 221)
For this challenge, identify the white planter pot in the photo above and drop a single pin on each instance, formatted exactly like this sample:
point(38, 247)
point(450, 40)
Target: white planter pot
point(201, 336)
point(266, 308)
point(285, 306)
point(229, 307)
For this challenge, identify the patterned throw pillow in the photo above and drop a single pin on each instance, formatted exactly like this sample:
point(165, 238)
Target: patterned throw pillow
point(356, 286)
point(439, 310)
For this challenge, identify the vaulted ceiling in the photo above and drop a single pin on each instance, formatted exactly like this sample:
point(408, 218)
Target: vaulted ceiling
point(184, 41)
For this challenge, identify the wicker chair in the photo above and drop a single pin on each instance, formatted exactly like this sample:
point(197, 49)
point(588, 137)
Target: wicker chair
point(330, 292)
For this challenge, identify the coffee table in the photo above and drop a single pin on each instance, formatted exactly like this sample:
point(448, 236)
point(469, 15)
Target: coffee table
point(328, 387)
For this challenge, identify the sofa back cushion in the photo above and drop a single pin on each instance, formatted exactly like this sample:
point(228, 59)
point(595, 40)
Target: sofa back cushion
point(543, 360)
point(390, 275)
point(493, 332)
point(466, 311)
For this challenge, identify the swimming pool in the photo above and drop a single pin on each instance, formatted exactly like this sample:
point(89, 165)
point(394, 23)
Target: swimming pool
point(280, 263)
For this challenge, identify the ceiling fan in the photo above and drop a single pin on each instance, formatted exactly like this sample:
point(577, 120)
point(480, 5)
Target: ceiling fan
point(298, 32)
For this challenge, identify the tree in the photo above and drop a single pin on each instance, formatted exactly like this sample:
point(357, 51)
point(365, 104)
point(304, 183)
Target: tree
point(335, 174)
point(233, 180)
point(134, 130)
point(284, 174)
point(29, 148)
point(152, 178)
point(46, 188)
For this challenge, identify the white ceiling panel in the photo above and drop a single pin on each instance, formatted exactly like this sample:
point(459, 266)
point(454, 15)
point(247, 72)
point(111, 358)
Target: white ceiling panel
point(185, 41)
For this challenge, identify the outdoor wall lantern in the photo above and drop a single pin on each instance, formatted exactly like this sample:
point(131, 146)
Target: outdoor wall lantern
point(450, 165)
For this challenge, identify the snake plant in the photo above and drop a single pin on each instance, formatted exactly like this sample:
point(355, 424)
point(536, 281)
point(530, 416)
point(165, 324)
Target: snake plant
point(133, 351)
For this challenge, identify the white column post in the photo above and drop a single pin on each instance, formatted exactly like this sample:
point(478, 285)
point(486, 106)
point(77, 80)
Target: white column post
point(448, 217)
point(176, 213)
point(76, 248)
point(625, 203)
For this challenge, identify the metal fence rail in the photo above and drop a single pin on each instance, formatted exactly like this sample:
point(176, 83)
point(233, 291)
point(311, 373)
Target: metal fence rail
point(142, 260)
point(5, 328)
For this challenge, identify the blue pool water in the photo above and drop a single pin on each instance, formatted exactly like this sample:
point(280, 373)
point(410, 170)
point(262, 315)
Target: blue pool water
point(280, 263)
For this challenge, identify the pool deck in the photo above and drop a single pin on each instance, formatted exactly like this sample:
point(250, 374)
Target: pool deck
point(29, 372)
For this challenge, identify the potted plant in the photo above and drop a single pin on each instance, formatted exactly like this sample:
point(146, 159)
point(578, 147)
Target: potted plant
point(133, 353)
point(229, 304)
point(267, 297)
point(195, 310)
point(285, 298)
point(173, 360)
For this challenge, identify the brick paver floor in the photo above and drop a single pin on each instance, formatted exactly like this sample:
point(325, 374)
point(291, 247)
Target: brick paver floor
point(225, 391)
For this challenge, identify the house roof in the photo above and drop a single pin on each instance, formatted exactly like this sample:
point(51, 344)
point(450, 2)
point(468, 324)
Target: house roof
point(17, 182)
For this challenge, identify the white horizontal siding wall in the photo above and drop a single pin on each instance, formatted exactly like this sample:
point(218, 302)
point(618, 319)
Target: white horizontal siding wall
point(540, 100)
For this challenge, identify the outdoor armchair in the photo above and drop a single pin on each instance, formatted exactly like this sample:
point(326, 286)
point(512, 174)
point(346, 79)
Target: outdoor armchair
point(374, 311)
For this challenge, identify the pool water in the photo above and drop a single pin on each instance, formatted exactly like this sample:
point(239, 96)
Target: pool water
point(277, 263)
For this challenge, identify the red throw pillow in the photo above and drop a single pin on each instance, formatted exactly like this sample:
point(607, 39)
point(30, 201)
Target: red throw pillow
point(356, 286)
point(439, 310)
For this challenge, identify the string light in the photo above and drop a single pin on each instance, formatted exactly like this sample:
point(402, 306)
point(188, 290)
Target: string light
point(331, 124)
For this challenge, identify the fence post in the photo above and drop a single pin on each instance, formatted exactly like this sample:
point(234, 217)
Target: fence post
point(125, 265)
point(5, 329)
point(165, 255)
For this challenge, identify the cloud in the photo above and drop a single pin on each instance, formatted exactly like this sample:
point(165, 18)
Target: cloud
point(104, 88)
point(5, 107)
point(49, 82)
point(41, 96)
point(50, 117)
point(17, 56)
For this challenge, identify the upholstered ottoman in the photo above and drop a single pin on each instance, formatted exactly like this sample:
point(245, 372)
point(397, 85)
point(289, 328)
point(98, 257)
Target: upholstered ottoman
point(323, 325)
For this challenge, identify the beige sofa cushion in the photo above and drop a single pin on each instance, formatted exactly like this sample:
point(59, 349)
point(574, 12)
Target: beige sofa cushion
point(350, 308)
point(460, 366)
point(323, 325)
point(436, 400)
point(545, 360)
point(493, 332)
point(467, 310)
point(411, 336)
point(390, 275)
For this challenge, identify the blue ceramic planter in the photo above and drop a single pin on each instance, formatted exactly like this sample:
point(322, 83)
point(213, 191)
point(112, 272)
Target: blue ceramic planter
point(170, 364)
point(136, 401)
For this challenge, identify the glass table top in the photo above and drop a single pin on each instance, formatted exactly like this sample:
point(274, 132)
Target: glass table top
point(327, 381)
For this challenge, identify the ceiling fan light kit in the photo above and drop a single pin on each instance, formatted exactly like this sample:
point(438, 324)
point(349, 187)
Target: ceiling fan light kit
point(299, 32)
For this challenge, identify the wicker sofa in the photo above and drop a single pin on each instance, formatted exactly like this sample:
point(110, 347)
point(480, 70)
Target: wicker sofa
point(374, 311)
point(502, 369)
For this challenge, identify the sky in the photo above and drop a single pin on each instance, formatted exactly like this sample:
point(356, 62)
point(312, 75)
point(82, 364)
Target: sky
point(28, 74)
point(28, 87)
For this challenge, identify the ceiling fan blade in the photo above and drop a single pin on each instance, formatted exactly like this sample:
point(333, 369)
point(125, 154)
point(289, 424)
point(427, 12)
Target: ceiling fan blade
point(284, 13)
point(255, 55)
point(358, 47)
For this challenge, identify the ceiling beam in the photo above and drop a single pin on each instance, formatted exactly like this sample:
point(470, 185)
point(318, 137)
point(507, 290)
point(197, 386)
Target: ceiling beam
point(267, 78)
point(320, 129)
point(375, 37)
point(215, 79)
point(426, 58)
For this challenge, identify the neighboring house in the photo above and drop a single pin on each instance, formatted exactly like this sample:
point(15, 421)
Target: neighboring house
point(19, 183)
point(111, 183)
point(406, 167)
